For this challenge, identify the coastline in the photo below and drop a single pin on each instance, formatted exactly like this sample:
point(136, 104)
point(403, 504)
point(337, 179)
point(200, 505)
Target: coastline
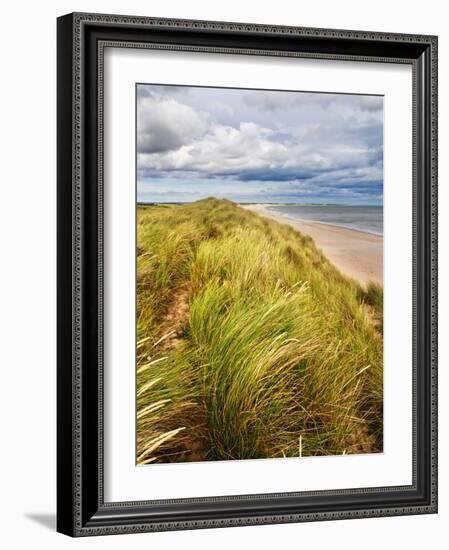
point(357, 254)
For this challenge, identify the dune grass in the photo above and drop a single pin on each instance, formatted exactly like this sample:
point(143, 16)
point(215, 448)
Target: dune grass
point(250, 343)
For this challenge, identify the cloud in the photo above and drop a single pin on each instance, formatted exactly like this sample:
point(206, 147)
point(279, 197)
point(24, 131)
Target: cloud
point(371, 103)
point(221, 150)
point(253, 152)
point(165, 124)
point(312, 143)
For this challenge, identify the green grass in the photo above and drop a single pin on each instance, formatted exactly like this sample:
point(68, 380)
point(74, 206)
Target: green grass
point(250, 343)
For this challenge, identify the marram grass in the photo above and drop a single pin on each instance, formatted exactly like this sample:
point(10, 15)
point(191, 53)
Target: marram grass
point(250, 343)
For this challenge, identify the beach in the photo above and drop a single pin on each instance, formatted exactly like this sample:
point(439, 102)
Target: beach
point(357, 254)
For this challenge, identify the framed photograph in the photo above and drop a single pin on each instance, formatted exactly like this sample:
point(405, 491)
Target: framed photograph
point(247, 279)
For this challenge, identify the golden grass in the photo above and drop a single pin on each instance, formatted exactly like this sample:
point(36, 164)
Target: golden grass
point(250, 343)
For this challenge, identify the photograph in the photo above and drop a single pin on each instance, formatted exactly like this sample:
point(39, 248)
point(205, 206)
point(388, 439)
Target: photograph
point(259, 273)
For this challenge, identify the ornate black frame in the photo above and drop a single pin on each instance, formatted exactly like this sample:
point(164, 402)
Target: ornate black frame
point(81, 509)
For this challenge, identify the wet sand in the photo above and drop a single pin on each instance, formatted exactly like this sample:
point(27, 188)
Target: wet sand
point(355, 253)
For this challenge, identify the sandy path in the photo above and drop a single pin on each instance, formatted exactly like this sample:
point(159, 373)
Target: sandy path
point(355, 253)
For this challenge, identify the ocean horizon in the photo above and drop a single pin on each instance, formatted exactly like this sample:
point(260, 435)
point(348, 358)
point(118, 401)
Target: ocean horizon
point(368, 219)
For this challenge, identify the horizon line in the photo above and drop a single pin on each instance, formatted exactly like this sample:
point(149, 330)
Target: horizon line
point(139, 202)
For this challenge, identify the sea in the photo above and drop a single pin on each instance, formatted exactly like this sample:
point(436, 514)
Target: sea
point(361, 218)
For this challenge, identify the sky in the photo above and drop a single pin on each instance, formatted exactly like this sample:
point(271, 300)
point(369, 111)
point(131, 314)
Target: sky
point(258, 146)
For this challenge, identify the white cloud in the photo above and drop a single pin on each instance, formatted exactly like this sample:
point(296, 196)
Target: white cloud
point(166, 124)
point(222, 149)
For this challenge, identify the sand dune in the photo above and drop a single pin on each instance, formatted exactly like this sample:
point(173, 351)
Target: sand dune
point(355, 253)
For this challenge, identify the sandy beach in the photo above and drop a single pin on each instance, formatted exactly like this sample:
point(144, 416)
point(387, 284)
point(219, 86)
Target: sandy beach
point(355, 253)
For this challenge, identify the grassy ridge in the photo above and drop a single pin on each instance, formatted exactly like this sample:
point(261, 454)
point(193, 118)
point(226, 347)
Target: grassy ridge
point(250, 343)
